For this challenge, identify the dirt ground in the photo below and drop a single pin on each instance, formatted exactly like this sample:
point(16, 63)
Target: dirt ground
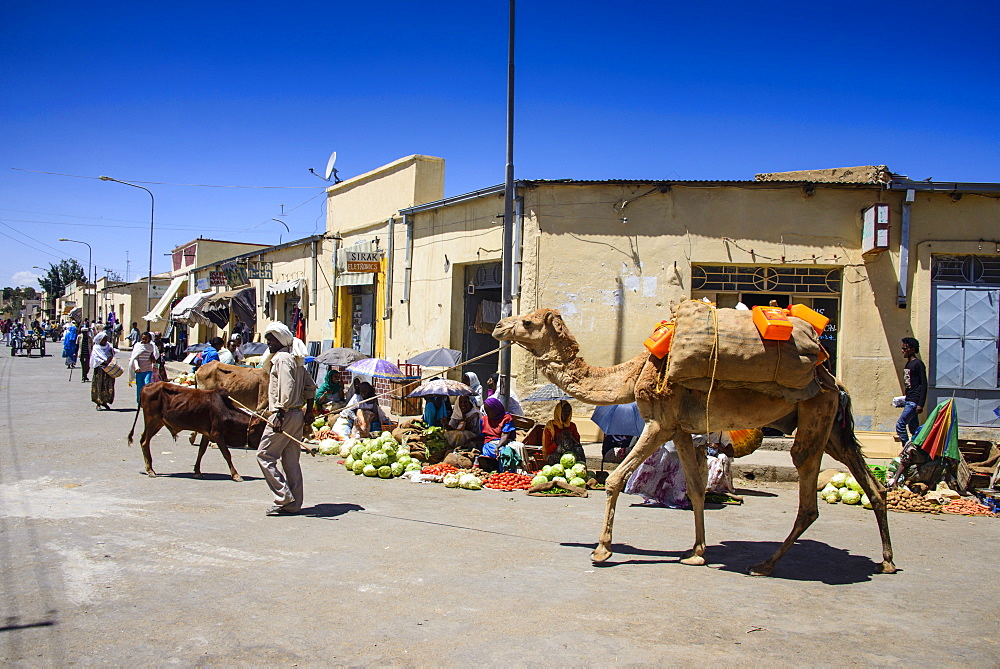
point(102, 565)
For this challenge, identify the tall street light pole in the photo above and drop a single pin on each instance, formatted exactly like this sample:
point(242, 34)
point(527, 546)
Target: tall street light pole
point(152, 209)
point(90, 259)
point(506, 282)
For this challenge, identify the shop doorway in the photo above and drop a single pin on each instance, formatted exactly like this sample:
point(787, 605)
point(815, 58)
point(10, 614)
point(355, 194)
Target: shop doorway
point(363, 319)
point(482, 310)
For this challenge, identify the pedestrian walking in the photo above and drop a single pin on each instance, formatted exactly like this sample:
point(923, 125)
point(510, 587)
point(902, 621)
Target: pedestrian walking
point(287, 386)
point(102, 388)
point(85, 344)
point(133, 335)
point(69, 346)
point(142, 363)
point(915, 387)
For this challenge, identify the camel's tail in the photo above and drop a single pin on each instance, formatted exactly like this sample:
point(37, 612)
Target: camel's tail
point(844, 445)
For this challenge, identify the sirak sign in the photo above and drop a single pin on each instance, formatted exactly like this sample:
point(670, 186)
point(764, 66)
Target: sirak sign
point(360, 261)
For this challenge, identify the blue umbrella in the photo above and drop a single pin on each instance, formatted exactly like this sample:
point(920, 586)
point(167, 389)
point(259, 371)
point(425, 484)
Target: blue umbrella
point(619, 419)
point(377, 367)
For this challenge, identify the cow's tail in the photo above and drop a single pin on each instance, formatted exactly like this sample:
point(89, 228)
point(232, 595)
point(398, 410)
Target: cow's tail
point(134, 421)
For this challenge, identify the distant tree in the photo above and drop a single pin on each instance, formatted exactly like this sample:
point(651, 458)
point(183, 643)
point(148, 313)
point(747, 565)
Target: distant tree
point(60, 275)
point(8, 293)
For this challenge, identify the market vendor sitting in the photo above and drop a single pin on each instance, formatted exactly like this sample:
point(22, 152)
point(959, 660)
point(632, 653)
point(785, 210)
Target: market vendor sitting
point(497, 427)
point(436, 410)
point(463, 430)
point(561, 435)
point(362, 417)
point(331, 390)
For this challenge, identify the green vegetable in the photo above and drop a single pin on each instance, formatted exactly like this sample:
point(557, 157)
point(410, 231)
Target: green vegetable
point(556, 470)
point(349, 462)
point(850, 496)
point(853, 484)
point(547, 471)
point(370, 470)
point(358, 466)
point(385, 472)
point(865, 502)
point(539, 480)
point(397, 468)
point(451, 480)
point(413, 466)
point(578, 482)
point(567, 460)
point(559, 478)
point(839, 480)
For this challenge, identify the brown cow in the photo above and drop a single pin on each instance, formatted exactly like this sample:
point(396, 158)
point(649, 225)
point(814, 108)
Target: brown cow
point(208, 412)
point(246, 385)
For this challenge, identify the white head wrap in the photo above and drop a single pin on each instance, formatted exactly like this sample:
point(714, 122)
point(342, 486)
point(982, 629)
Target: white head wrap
point(288, 340)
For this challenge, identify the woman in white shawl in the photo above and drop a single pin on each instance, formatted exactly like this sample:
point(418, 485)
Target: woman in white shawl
point(102, 388)
point(142, 362)
point(478, 396)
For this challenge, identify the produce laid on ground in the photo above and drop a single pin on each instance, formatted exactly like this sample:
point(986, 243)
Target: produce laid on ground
point(508, 481)
point(439, 469)
point(322, 431)
point(846, 489)
point(567, 470)
point(904, 500)
point(184, 379)
point(381, 457)
point(967, 507)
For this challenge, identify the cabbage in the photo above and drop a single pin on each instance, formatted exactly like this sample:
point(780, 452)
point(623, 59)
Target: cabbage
point(329, 446)
point(865, 502)
point(358, 466)
point(539, 480)
point(547, 471)
point(370, 470)
point(349, 462)
point(366, 457)
point(357, 450)
point(386, 435)
point(830, 488)
point(559, 478)
point(401, 452)
point(379, 459)
point(850, 497)
point(319, 422)
point(404, 459)
point(580, 470)
point(839, 480)
point(467, 481)
point(345, 450)
point(832, 498)
point(385, 472)
point(451, 480)
point(853, 484)
point(397, 469)
point(390, 449)
point(412, 466)
point(578, 482)
point(567, 460)
point(556, 470)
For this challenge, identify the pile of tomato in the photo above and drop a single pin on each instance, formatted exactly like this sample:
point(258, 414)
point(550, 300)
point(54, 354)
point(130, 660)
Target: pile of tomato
point(508, 481)
point(439, 470)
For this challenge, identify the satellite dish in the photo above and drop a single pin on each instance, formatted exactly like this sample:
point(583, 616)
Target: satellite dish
point(329, 166)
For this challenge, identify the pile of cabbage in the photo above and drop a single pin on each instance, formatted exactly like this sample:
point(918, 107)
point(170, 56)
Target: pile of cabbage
point(382, 457)
point(846, 489)
point(466, 481)
point(568, 470)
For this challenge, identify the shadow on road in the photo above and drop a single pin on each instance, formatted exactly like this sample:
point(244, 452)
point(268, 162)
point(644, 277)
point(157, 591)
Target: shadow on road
point(626, 549)
point(805, 561)
point(750, 492)
point(329, 510)
point(205, 476)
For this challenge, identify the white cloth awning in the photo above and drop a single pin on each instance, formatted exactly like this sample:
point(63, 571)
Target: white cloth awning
point(187, 310)
point(161, 305)
point(290, 286)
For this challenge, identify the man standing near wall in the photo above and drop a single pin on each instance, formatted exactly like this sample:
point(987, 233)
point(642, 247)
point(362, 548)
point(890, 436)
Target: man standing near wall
point(915, 386)
point(288, 381)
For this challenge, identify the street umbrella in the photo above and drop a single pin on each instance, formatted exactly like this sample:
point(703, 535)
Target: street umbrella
point(340, 357)
point(548, 392)
point(939, 434)
point(619, 419)
point(442, 387)
point(377, 367)
point(439, 357)
point(196, 348)
point(253, 348)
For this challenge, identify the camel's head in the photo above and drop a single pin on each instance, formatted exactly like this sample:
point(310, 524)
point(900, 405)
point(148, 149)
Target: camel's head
point(542, 332)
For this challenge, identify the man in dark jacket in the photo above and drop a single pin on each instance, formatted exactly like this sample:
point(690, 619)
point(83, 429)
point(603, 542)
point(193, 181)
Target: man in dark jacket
point(915, 386)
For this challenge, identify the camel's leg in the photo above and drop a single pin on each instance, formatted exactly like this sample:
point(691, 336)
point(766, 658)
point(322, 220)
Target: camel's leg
point(652, 438)
point(224, 449)
point(815, 420)
point(147, 435)
point(202, 447)
point(695, 465)
point(851, 456)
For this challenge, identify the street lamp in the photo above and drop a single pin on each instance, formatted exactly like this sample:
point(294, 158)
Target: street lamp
point(90, 258)
point(152, 209)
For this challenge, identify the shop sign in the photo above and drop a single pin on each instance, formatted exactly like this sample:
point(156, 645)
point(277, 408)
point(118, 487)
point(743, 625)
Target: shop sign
point(259, 269)
point(360, 261)
point(217, 278)
point(202, 284)
point(236, 275)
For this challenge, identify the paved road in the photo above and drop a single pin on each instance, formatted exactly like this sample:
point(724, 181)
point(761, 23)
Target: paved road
point(101, 565)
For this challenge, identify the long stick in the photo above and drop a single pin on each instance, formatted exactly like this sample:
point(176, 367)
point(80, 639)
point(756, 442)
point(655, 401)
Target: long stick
point(429, 376)
point(309, 449)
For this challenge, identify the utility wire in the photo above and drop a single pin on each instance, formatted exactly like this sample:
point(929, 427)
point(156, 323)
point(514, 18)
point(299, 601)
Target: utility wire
point(164, 183)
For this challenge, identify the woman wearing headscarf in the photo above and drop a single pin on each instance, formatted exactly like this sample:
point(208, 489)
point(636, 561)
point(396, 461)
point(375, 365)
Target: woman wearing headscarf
point(142, 363)
point(464, 428)
point(561, 436)
point(331, 390)
point(69, 346)
point(84, 345)
point(478, 392)
point(288, 386)
point(497, 427)
point(493, 388)
point(102, 388)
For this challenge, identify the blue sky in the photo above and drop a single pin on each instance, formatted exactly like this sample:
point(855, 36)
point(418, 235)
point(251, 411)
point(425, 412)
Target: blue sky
point(255, 93)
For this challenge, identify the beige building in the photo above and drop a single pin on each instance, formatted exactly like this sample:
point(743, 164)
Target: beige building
point(884, 257)
point(77, 294)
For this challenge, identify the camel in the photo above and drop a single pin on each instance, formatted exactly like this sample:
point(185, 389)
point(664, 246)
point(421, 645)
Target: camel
point(824, 423)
